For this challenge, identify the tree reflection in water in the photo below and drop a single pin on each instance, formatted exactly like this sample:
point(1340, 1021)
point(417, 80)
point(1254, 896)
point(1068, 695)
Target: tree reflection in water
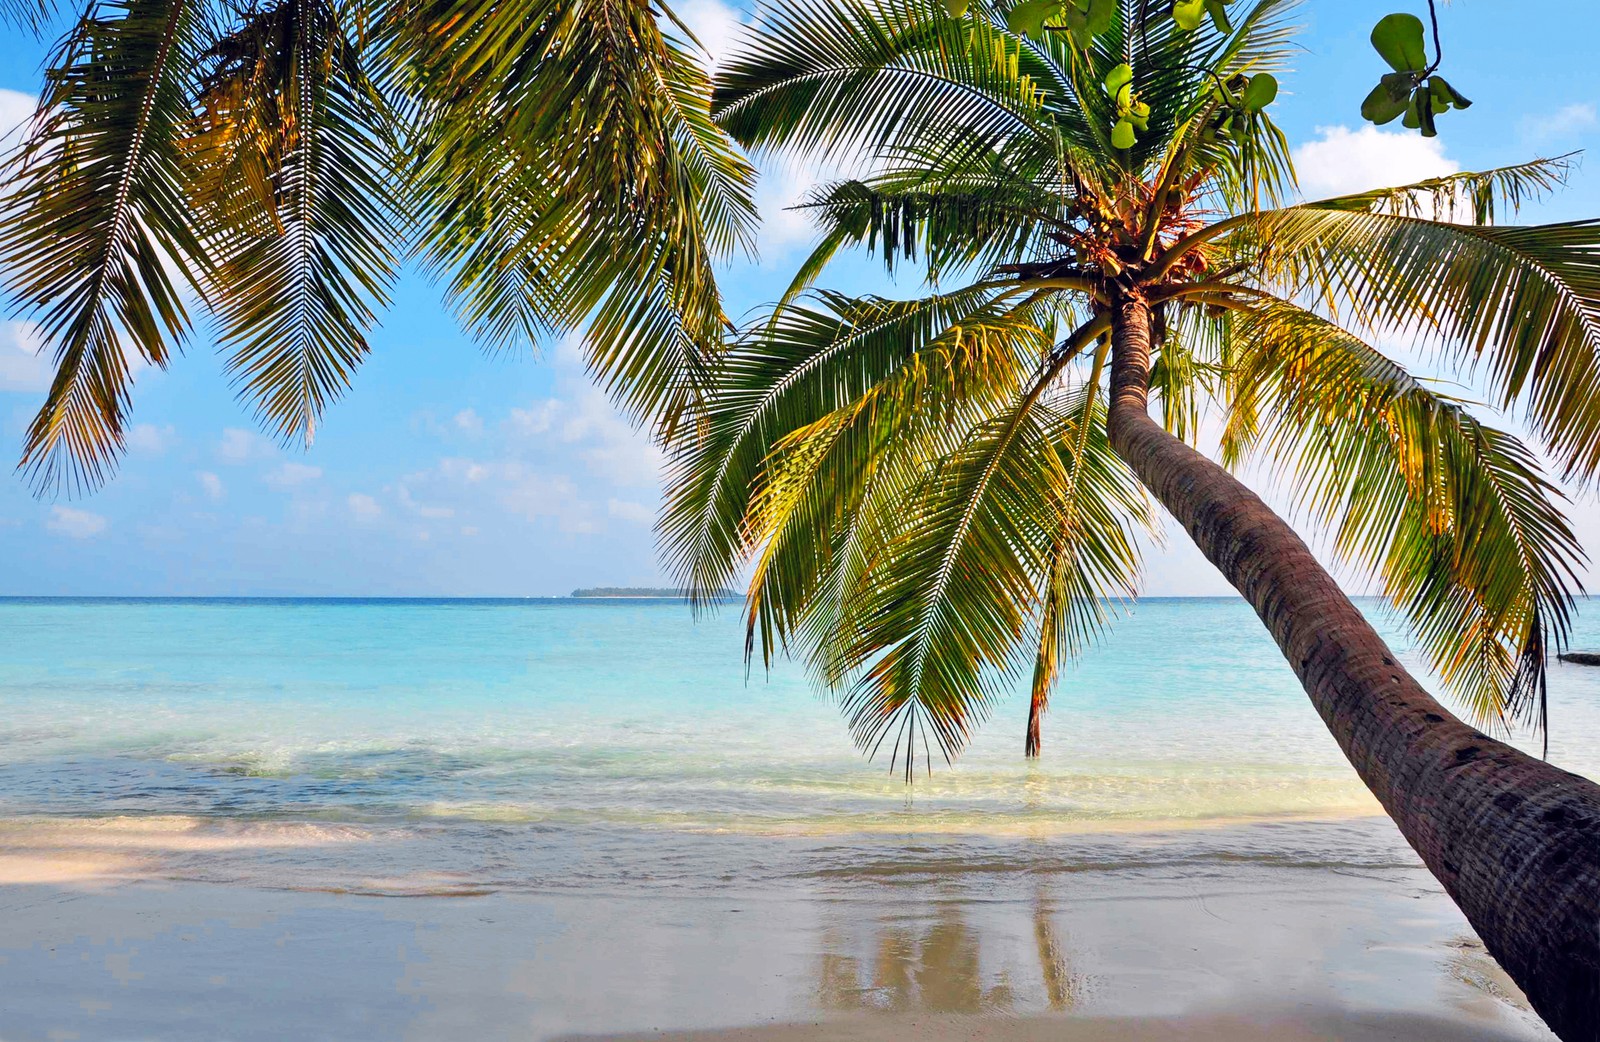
point(920, 963)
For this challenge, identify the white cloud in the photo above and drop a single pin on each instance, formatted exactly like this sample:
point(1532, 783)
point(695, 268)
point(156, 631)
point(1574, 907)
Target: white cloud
point(606, 443)
point(242, 446)
point(468, 421)
point(466, 470)
point(536, 420)
point(716, 25)
point(363, 507)
point(211, 483)
point(535, 496)
point(148, 438)
point(74, 524)
point(1342, 161)
point(292, 475)
point(16, 108)
point(22, 367)
point(783, 186)
point(1564, 124)
point(408, 501)
point(508, 485)
point(627, 510)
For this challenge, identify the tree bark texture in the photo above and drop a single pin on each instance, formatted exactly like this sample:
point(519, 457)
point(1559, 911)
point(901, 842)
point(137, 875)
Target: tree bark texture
point(1514, 840)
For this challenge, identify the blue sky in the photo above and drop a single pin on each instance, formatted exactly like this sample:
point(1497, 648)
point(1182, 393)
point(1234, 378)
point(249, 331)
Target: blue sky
point(446, 472)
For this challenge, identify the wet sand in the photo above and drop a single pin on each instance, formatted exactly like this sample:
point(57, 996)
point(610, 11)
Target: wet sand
point(96, 944)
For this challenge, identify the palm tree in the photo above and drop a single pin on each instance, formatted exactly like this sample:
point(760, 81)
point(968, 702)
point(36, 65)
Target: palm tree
point(941, 497)
point(276, 162)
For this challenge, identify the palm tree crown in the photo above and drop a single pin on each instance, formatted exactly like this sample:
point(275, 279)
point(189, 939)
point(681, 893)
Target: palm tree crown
point(926, 488)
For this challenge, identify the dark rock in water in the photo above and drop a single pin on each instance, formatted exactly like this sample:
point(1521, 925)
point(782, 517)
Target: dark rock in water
point(1581, 658)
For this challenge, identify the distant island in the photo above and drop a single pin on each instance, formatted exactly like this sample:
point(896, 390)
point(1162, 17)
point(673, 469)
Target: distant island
point(648, 591)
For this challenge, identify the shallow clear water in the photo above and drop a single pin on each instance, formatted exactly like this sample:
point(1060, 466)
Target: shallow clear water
point(535, 741)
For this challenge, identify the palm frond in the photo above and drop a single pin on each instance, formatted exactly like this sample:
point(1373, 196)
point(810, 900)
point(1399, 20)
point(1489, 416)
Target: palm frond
point(1523, 303)
point(975, 220)
point(862, 76)
point(31, 16)
point(1470, 198)
point(1096, 557)
point(1454, 515)
point(808, 364)
point(960, 576)
point(567, 170)
point(97, 244)
point(297, 158)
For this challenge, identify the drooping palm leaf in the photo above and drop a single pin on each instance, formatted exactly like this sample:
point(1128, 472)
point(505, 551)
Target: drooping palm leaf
point(942, 617)
point(971, 222)
point(804, 366)
point(309, 248)
point(1521, 302)
point(1095, 560)
point(97, 242)
point(568, 170)
point(28, 15)
point(1454, 515)
point(1471, 197)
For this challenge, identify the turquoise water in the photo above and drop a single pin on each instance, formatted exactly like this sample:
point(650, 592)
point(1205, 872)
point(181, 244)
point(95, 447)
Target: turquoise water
point(530, 736)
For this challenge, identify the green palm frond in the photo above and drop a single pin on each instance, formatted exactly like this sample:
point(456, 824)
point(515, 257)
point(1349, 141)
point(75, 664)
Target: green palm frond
point(811, 363)
point(848, 473)
point(97, 243)
point(908, 481)
point(297, 158)
point(1455, 517)
point(942, 614)
point(568, 170)
point(1476, 198)
point(1521, 302)
point(1180, 382)
point(28, 15)
point(856, 75)
point(973, 221)
point(1096, 557)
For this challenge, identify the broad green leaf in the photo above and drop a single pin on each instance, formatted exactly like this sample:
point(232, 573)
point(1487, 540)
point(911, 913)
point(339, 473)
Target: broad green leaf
point(1262, 91)
point(1119, 76)
point(1219, 15)
point(1189, 14)
point(1028, 17)
point(1100, 15)
point(1398, 38)
point(1445, 96)
point(1381, 106)
point(1423, 97)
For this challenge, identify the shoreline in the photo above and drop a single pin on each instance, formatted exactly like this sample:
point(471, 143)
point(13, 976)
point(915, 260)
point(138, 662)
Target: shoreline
point(412, 858)
point(1245, 952)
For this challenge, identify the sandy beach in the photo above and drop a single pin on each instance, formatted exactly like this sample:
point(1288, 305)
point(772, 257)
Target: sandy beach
point(106, 937)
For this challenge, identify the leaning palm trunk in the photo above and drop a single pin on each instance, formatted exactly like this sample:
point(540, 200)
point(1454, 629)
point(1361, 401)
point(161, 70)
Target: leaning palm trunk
point(1514, 840)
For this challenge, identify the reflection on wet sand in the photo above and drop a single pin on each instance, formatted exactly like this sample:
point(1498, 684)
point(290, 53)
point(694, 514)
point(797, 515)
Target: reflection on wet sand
point(934, 966)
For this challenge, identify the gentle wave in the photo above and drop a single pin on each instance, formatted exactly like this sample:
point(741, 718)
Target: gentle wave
point(471, 859)
point(549, 744)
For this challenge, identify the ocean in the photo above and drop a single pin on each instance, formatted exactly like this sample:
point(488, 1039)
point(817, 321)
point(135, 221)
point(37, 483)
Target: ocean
point(461, 746)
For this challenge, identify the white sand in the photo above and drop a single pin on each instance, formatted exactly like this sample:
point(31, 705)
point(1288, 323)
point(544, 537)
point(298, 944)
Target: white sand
point(95, 944)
